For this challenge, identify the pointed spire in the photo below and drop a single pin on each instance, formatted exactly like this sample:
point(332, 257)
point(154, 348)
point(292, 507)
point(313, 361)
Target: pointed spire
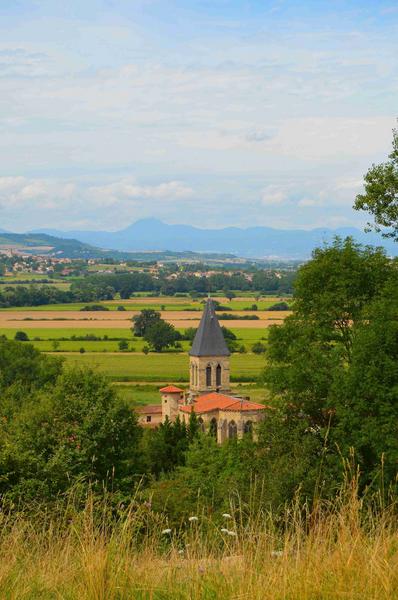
point(209, 339)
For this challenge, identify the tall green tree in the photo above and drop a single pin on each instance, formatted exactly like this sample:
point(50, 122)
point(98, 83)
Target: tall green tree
point(380, 198)
point(311, 360)
point(79, 430)
point(144, 320)
point(161, 335)
point(366, 398)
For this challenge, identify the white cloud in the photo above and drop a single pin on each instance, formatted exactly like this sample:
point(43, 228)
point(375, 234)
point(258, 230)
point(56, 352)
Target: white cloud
point(274, 195)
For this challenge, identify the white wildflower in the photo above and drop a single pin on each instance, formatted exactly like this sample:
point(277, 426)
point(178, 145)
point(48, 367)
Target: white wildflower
point(166, 531)
point(227, 516)
point(232, 533)
point(181, 552)
point(277, 553)
point(223, 530)
point(192, 519)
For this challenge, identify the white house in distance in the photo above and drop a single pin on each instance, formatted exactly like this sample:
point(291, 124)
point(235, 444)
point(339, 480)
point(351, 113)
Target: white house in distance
point(219, 411)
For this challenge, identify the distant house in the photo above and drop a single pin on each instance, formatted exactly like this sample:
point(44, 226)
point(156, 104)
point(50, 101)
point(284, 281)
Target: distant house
point(150, 415)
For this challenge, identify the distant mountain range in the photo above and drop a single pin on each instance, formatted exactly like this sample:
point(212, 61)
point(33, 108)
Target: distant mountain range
point(39, 243)
point(253, 242)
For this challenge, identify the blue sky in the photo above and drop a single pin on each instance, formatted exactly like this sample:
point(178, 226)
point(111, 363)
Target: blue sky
point(206, 112)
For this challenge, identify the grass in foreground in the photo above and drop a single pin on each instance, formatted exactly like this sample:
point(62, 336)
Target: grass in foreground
point(339, 551)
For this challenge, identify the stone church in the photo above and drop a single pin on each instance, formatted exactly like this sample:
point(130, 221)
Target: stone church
point(219, 412)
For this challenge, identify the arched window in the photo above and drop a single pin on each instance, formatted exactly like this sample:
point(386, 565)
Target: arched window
point(248, 428)
point(201, 424)
point(213, 427)
point(208, 376)
point(232, 429)
point(218, 376)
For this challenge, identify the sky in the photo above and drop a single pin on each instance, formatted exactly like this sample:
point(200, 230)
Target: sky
point(211, 113)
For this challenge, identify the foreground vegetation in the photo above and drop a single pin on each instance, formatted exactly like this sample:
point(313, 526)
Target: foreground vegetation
point(337, 550)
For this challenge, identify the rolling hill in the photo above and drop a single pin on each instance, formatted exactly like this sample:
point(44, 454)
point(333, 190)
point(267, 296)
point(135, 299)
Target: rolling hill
point(253, 242)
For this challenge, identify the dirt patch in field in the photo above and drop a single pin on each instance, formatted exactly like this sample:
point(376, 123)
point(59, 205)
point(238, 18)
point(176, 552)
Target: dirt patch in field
point(113, 320)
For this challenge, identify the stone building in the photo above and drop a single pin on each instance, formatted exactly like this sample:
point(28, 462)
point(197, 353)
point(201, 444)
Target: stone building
point(219, 412)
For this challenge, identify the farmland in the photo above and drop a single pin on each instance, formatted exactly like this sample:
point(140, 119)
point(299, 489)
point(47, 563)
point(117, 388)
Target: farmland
point(92, 338)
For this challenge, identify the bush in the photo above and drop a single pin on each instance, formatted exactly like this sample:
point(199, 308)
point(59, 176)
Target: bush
point(123, 345)
point(279, 306)
point(21, 336)
point(82, 350)
point(258, 348)
point(94, 307)
point(145, 349)
point(120, 308)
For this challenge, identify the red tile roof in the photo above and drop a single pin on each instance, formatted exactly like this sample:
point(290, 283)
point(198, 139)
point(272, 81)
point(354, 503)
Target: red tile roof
point(149, 409)
point(215, 401)
point(171, 389)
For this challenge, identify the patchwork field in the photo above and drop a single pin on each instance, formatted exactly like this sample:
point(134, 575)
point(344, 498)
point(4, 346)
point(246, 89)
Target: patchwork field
point(91, 338)
point(48, 319)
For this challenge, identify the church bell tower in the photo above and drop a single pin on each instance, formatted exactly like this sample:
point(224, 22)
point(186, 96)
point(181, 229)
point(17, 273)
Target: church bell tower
point(209, 356)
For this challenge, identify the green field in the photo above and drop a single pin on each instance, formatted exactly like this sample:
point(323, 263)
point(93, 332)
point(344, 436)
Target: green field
point(162, 368)
point(159, 303)
point(43, 339)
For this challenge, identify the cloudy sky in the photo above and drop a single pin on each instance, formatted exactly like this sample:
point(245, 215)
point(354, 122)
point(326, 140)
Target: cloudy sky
point(209, 112)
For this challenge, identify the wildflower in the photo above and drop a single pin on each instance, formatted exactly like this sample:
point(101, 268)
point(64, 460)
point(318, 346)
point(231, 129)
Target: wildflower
point(166, 531)
point(232, 533)
point(223, 530)
point(192, 519)
point(227, 516)
point(277, 553)
point(181, 552)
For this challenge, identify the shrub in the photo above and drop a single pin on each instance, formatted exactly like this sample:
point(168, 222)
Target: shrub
point(258, 348)
point(120, 308)
point(82, 350)
point(21, 336)
point(94, 307)
point(279, 306)
point(123, 345)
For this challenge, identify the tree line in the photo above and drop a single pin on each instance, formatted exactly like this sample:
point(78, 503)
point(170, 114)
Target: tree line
point(101, 287)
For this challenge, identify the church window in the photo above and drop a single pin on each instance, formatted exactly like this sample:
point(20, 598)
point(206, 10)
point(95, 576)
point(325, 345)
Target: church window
point(208, 376)
point(218, 375)
point(232, 429)
point(148, 418)
point(201, 424)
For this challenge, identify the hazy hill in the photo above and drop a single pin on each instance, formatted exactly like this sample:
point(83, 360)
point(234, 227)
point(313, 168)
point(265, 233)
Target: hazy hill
point(67, 247)
point(152, 234)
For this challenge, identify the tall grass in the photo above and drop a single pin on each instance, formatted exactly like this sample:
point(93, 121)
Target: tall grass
point(342, 549)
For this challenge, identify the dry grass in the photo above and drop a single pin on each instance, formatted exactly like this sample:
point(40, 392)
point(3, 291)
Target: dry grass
point(68, 319)
point(341, 551)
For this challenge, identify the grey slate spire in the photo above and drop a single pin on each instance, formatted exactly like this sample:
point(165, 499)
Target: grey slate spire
point(209, 339)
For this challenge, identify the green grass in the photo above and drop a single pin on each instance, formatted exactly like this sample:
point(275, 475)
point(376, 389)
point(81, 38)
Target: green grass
point(139, 395)
point(160, 367)
point(169, 303)
point(247, 337)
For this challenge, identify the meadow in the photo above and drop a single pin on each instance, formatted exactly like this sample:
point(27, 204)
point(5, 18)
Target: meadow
point(161, 368)
point(61, 329)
